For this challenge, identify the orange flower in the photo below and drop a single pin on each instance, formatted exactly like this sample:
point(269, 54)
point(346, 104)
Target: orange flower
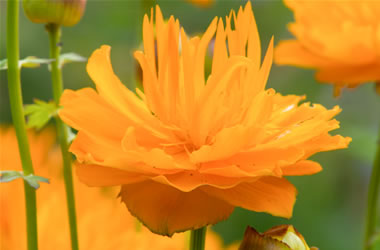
point(338, 38)
point(53, 228)
point(202, 3)
point(94, 208)
point(189, 150)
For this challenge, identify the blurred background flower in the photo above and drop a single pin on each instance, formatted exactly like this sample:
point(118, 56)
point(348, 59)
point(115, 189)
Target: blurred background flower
point(335, 197)
point(338, 38)
point(202, 3)
point(103, 223)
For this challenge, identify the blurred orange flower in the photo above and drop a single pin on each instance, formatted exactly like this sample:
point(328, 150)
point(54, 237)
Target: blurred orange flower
point(95, 207)
point(190, 149)
point(202, 3)
point(338, 38)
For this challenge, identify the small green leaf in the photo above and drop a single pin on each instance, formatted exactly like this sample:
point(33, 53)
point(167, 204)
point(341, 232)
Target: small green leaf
point(374, 239)
point(70, 135)
point(39, 114)
point(8, 175)
point(32, 180)
point(27, 62)
point(69, 58)
point(4, 64)
point(33, 62)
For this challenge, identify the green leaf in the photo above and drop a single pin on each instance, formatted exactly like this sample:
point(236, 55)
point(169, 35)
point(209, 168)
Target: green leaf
point(69, 58)
point(34, 62)
point(32, 180)
point(254, 240)
point(8, 175)
point(4, 64)
point(375, 239)
point(70, 135)
point(27, 62)
point(39, 114)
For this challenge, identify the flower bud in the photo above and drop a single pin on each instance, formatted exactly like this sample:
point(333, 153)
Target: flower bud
point(289, 235)
point(62, 12)
point(283, 237)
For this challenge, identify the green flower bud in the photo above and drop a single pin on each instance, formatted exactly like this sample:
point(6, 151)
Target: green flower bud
point(62, 12)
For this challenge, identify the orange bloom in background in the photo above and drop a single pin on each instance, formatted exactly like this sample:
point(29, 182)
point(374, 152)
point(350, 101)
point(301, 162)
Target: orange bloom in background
point(202, 3)
point(338, 38)
point(192, 147)
point(95, 207)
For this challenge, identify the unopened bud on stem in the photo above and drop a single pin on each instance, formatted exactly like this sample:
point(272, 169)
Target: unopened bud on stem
point(61, 12)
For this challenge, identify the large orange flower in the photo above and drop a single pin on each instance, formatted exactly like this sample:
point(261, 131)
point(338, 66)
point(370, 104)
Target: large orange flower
point(338, 38)
point(94, 208)
point(191, 148)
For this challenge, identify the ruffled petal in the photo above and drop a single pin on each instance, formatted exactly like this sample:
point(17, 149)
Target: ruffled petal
point(166, 210)
point(301, 168)
point(292, 52)
point(272, 195)
point(75, 112)
point(236, 137)
point(98, 176)
point(121, 98)
point(187, 181)
point(349, 76)
point(109, 86)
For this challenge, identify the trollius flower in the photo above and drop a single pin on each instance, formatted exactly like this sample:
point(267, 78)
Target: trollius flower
point(192, 147)
point(338, 38)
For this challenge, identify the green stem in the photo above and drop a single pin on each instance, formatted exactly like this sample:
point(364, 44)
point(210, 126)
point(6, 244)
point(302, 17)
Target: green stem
point(54, 31)
point(373, 195)
point(198, 239)
point(15, 96)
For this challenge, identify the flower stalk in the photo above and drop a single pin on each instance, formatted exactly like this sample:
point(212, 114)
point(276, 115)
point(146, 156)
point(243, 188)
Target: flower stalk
point(54, 31)
point(198, 239)
point(15, 96)
point(373, 195)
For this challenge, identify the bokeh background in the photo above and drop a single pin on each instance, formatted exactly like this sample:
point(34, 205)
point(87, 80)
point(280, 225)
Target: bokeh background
point(330, 207)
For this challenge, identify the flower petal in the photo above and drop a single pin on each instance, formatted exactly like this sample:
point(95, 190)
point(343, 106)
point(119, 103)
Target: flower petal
point(302, 168)
point(116, 94)
point(292, 52)
point(235, 136)
point(108, 84)
point(98, 176)
point(76, 106)
point(352, 76)
point(272, 195)
point(166, 210)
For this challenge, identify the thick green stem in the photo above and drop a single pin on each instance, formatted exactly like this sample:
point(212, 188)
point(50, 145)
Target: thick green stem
point(373, 195)
point(54, 31)
point(15, 96)
point(198, 239)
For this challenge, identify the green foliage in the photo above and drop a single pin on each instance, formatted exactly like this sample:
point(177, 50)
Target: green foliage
point(70, 134)
point(39, 113)
point(32, 180)
point(35, 62)
point(69, 58)
point(27, 62)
